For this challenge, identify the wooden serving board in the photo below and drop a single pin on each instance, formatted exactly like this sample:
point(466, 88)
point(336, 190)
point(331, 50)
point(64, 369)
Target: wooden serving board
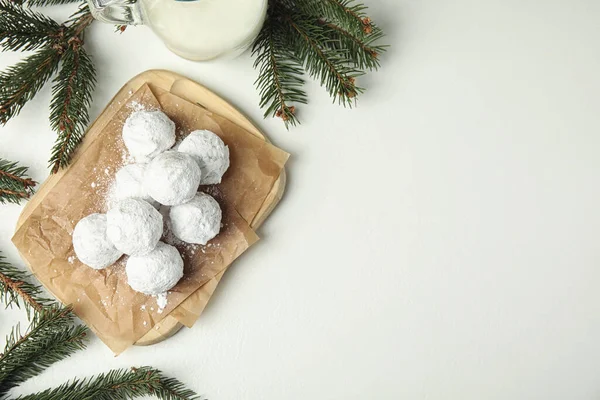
point(192, 92)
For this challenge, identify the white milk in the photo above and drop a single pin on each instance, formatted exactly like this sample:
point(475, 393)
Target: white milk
point(197, 29)
point(205, 29)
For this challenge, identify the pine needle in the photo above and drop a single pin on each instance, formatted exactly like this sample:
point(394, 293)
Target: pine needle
point(15, 185)
point(21, 82)
point(280, 75)
point(57, 46)
point(43, 3)
point(16, 289)
point(51, 337)
point(119, 384)
point(24, 30)
point(71, 98)
point(334, 41)
point(331, 66)
point(361, 48)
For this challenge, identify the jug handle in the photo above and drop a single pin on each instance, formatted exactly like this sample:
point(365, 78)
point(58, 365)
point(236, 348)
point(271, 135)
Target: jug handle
point(126, 12)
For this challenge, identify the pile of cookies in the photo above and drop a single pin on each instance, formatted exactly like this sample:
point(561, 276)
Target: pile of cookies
point(160, 177)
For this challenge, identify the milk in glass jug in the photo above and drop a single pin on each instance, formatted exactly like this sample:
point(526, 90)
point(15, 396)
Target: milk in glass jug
point(194, 29)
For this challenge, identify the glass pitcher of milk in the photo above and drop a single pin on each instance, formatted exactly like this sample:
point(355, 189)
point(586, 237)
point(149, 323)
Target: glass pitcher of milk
point(194, 29)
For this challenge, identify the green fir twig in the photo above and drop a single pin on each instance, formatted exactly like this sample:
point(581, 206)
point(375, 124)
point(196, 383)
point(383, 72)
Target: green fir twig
point(21, 82)
point(361, 49)
point(332, 67)
point(59, 47)
point(24, 30)
point(119, 384)
point(15, 185)
point(44, 3)
point(280, 74)
point(72, 97)
point(16, 289)
point(334, 41)
point(51, 337)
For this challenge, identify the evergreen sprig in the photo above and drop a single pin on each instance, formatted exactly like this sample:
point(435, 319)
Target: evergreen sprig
point(334, 41)
point(72, 97)
point(58, 48)
point(50, 337)
point(23, 29)
point(119, 384)
point(348, 13)
point(16, 289)
point(331, 66)
point(15, 185)
point(43, 3)
point(280, 73)
point(21, 82)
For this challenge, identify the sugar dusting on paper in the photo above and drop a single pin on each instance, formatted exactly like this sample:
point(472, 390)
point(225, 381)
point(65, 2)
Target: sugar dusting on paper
point(161, 302)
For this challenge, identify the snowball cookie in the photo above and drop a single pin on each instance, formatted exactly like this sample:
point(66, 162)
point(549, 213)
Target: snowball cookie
point(129, 184)
point(91, 245)
point(172, 178)
point(210, 153)
point(197, 221)
point(147, 134)
point(155, 272)
point(134, 226)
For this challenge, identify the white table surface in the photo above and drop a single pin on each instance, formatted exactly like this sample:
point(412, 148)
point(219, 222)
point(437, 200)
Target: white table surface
point(438, 242)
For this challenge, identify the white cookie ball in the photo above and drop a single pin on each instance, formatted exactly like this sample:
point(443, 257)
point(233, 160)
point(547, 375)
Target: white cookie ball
point(134, 226)
point(210, 153)
point(129, 184)
point(172, 178)
point(197, 221)
point(147, 134)
point(91, 244)
point(155, 272)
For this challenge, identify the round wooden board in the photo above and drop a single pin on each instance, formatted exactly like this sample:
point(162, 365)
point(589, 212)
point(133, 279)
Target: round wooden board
point(195, 93)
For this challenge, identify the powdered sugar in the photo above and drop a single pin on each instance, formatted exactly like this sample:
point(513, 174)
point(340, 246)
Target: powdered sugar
point(196, 221)
point(172, 178)
point(155, 272)
point(128, 183)
point(210, 153)
point(161, 301)
point(147, 134)
point(91, 243)
point(134, 226)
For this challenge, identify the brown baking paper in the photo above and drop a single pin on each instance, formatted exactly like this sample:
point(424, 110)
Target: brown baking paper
point(102, 299)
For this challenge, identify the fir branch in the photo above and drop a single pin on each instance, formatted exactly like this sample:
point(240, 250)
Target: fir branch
point(347, 13)
point(11, 172)
point(280, 75)
point(79, 21)
point(24, 30)
point(361, 48)
point(11, 196)
point(349, 9)
point(21, 82)
point(72, 96)
point(73, 86)
point(49, 338)
point(72, 92)
point(42, 3)
point(14, 184)
point(15, 286)
point(331, 66)
point(119, 384)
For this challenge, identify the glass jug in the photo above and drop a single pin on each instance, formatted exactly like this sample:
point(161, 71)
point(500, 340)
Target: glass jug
point(193, 29)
